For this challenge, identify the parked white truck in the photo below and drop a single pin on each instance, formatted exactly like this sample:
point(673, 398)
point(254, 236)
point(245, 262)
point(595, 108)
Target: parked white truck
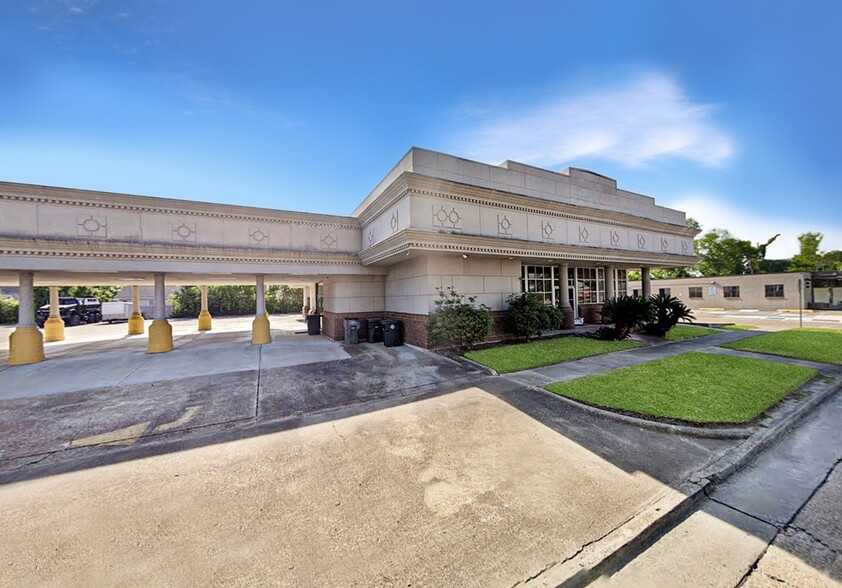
point(116, 311)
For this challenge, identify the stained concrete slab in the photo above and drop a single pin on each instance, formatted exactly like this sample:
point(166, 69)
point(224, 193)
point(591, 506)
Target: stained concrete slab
point(371, 372)
point(461, 489)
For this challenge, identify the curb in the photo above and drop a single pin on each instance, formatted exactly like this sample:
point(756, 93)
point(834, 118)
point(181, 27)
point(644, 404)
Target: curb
point(611, 551)
point(673, 429)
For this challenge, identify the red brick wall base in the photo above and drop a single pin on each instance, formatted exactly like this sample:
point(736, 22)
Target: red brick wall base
point(414, 329)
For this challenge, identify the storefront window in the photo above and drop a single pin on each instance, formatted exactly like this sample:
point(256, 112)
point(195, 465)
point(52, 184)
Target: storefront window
point(590, 285)
point(621, 282)
point(541, 280)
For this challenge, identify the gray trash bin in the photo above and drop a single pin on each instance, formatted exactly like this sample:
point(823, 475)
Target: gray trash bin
point(314, 324)
point(352, 331)
point(391, 332)
point(374, 330)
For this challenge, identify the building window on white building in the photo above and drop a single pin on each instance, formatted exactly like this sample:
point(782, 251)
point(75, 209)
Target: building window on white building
point(664, 292)
point(590, 285)
point(695, 292)
point(621, 282)
point(541, 280)
point(731, 291)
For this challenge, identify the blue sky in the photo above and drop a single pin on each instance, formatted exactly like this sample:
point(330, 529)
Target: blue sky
point(728, 110)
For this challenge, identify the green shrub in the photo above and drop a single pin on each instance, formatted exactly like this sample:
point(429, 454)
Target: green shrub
point(625, 313)
point(236, 300)
point(668, 311)
point(8, 310)
point(524, 315)
point(528, 316)
point(456, 321)
point(552, 319)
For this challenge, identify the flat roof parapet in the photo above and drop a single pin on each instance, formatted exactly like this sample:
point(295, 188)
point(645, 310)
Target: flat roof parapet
point(572, 185)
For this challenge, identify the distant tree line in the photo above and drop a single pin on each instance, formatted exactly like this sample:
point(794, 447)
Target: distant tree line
point(236, 300)
point(721, 253)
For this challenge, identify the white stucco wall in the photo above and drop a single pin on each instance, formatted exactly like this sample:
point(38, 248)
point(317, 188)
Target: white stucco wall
point(411, 286)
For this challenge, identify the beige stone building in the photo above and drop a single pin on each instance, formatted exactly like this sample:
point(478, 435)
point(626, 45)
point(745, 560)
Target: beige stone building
point(435, 221)
point(760, 291)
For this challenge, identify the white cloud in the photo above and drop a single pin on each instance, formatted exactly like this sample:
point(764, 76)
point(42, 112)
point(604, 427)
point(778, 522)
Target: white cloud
point(714, 212)
point(647, 119)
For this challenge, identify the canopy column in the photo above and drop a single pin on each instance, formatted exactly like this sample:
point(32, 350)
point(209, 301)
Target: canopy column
point(54, 326)
point(26, 343)
point(646, 282)
point(160, 331)
point(136, 320)
point(204, 315)
point(564, 304)
point(260, 330)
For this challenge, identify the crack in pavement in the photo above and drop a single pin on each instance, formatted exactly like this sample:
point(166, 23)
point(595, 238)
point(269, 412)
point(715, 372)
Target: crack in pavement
point(788, 525)
point(576, 553)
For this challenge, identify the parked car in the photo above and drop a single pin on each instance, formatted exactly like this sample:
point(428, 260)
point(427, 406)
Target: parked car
point(73, 311)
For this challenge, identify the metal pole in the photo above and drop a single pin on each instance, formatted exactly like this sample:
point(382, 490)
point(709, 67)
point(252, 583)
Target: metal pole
point(800, 304)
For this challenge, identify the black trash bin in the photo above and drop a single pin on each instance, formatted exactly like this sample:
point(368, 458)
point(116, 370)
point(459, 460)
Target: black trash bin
point(352, 331)
point(391, 332)
point(375, 330)
point(314, 324)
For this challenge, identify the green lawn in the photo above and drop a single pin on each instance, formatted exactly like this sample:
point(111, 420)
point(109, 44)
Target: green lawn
point(679, 332)
point(524, 356)
point(822, 345)
point(691, 387)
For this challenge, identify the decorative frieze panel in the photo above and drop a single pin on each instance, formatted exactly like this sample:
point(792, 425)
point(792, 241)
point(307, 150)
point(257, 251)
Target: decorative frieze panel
point(614, 238)
point(584, 235)
point(259, 236)
point(642, 242)
point(504, 226)
point(329, 241)
point(93, 226)
point(184, 231)
point(547, 231)
point(447, 218)
point(394, 222)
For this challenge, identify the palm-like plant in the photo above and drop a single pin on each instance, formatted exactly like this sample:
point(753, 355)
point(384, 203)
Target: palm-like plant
point(669, 310)
point(625, 313)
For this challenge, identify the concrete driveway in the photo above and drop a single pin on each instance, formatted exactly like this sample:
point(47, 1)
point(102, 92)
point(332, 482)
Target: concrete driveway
point(373, 466)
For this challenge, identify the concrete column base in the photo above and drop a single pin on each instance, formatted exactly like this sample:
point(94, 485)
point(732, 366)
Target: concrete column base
point(54, 329)
point(260, 330)
point(160, 337)
point(136, 324)
point(204, 321)
point(26, 345)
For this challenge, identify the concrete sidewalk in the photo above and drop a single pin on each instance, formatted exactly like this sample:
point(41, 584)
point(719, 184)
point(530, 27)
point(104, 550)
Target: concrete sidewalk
point(776, 522)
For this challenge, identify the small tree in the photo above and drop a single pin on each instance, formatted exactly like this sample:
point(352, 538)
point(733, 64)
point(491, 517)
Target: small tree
point(457, 321)
point(625, 313)
point(668, 311)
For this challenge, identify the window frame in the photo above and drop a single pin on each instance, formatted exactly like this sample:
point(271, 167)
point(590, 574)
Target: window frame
point(777, 292)
point(699, 289)
point(730, 291)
